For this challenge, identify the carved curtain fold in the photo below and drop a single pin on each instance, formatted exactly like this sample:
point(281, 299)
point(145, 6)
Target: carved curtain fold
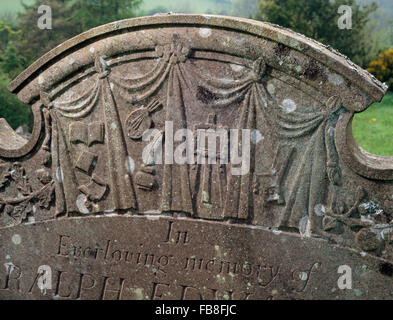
point(80, 143)
point(304, 189)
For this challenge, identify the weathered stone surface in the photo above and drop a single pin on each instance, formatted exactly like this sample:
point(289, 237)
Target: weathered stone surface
point(92, 200)
point(134, 257)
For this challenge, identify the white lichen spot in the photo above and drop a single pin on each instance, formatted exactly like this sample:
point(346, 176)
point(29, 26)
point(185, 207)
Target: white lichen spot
point(71, 61)
point(240, 42)
point(41, 80)
point(363, 254)
point(81, 204)
point(358, 292)
point(335, 79)
point(16, 239)
point(277, 232)
point(236, 67)
point(303, 276)
point(205, 32)
point(256, 136)
point(220, 279)
point(281, 62)
point(130, 165)
point(8, 257)
point(113, 126)
point(111, 85)
point(331, 131)
point(288, 105)
point(282, 37)
point(319, 210)
point(92, 49)
point(271, 88)
point(138, 293)
point(298, 69)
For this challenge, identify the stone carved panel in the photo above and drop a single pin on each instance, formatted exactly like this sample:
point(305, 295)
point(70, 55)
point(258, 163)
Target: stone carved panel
point(112, 116)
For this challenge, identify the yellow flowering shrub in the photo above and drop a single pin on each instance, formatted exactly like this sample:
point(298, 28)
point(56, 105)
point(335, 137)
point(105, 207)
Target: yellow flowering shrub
point(382, 68)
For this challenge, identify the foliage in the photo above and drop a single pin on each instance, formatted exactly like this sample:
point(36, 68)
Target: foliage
point(36, 42)
point(8, 32)
point(382, 68)
point(318, 19)
point(89, 14)
point(378, 39)
point(11, 62)
point(382, 19)
point(11, 108)
point(23, 42)
point(69, 18)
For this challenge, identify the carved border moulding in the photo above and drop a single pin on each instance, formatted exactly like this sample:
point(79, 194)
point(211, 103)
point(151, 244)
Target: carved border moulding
point(113, 108)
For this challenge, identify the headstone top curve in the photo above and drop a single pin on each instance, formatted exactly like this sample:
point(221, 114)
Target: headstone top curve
point(322, 53)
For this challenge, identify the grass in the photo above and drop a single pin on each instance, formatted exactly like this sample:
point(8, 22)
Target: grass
point(373, 128)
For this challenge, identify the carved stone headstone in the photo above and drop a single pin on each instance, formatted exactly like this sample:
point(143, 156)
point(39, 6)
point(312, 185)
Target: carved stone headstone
point(194, 157)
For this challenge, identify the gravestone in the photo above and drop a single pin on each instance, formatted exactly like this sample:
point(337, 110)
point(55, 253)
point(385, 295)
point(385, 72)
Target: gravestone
point(194, 157)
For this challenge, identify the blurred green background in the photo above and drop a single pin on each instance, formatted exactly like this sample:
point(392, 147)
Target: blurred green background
point(369, 43)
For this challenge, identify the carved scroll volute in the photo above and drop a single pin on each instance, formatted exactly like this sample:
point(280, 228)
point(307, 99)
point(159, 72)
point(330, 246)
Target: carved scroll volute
point(360, 161)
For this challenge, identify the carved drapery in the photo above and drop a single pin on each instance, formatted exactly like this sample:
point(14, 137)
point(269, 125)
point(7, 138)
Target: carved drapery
point(303, 191)
point(75, 152)
point(90, 112)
